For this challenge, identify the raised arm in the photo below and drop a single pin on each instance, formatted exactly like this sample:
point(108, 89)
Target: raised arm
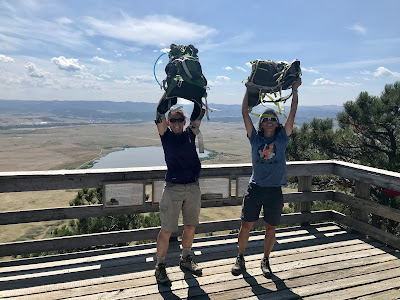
point(293, 108)
point(195, 118)
point(160, 117)
point(248, 123)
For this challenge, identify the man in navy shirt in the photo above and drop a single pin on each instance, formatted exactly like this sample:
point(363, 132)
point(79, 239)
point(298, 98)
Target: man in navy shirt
point(181, 191)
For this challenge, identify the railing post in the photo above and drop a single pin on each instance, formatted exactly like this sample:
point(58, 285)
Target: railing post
point(304, 185)
point(362, 190)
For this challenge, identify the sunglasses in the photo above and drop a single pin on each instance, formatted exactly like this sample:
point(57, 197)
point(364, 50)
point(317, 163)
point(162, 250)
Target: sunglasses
point(266, 119)
point(179, 120)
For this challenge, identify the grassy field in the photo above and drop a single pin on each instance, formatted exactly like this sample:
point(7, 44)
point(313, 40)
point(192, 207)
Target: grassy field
point(32, 200)
point(72, 147)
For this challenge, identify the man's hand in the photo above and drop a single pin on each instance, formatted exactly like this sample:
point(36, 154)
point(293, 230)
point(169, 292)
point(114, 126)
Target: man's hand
point(165, 104)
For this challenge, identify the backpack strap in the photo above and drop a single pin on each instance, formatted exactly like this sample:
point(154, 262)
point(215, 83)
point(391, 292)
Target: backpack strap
point(185, 68)
point(200, 142)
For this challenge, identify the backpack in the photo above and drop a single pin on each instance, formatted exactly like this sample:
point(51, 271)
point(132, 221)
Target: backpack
point(184, 75)
point(270, 77)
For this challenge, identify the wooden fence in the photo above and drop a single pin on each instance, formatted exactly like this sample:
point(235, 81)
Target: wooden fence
point(124, 193)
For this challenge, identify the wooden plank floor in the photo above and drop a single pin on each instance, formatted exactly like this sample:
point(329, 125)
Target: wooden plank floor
point(316, 262)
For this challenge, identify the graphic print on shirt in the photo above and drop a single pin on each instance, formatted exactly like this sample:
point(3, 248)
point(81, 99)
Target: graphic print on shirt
point(267, 152)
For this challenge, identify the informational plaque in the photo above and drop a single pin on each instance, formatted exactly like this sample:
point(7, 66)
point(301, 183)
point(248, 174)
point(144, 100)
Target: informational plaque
point(241, 186)
point(215, 188)
point(117, 194)
point(158, 187)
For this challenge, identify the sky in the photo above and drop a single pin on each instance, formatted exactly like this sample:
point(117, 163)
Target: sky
point(106, 49)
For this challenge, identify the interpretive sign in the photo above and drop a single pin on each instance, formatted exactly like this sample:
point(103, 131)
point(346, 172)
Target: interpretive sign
point(215, 188)
point(117, 194)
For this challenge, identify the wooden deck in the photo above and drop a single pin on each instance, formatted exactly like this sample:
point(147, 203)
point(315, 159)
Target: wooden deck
point(315, 262)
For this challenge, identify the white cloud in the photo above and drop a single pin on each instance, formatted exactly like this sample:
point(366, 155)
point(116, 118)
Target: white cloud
point(365, 72)
point(136, 79)
point(228, 68)
point(88, 77)
point(67, 64)
point(150, 30)
point(323, 81)
point(165, 50)
point(310, 70)
point(143, 78)
point(361, 63)
point(23, 29)
point(99, 49)
point(159, 62)
point(222, 78)
point(241, 69)
point(358, 29)
point(99, 59)
point(4, 58)
point(64, 21)
point(249, 65)
point(382, 71)
point(219, 81)
point(351, 84)
point(7, 79)
point(33, 71)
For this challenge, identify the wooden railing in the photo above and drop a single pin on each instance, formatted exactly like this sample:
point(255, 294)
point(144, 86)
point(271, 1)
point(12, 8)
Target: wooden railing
point(123, 193)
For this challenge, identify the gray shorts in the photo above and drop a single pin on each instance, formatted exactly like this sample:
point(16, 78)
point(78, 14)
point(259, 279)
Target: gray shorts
point(177, 197)
point(270, 198)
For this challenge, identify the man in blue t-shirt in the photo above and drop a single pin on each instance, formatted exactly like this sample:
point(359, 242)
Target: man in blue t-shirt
point(268, 147)
point(181, 191)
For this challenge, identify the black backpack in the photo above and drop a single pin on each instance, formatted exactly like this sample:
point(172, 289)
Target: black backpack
point(270, 77)
point(184, 75)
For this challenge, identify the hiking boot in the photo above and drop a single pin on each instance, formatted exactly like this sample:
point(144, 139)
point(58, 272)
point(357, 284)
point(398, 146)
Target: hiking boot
point(239, 266)
point(265, 268)
point(161, 275)
point(188, 263)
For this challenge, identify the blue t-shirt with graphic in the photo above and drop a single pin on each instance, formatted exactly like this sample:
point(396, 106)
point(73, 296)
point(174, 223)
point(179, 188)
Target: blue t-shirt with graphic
point(269, 159)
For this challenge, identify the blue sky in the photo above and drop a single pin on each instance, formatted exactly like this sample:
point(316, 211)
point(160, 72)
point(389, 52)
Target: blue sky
point(105, 50)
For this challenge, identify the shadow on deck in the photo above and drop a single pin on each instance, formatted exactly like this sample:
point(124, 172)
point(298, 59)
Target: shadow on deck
point(314, 262)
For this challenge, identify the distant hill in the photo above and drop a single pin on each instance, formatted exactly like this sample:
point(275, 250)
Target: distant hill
point(53, 113)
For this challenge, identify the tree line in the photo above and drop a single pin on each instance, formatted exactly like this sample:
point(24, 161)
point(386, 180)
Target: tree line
point(368, 133)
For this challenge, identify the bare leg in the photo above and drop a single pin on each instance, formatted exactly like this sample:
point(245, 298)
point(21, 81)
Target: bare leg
point(163, 243)
point(269, 239)
point(188, 236)
point(243, 236)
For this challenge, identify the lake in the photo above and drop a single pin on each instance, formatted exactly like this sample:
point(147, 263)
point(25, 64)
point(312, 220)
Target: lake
point(135, 157)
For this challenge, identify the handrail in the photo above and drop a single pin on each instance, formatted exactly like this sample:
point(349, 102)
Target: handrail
point(77, 179)
point(92, 178)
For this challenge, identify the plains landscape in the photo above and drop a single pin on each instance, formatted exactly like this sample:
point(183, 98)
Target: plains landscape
point(40, 138)
point(77, 146)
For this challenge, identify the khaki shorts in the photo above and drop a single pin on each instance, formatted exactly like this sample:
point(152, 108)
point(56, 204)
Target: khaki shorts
point(177, 197)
